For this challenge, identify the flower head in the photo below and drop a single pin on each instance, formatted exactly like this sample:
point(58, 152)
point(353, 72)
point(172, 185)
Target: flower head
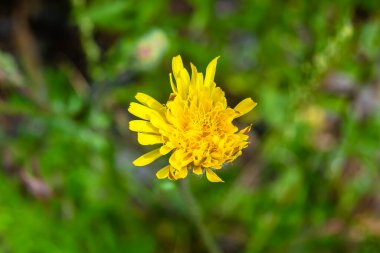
point(195, 125)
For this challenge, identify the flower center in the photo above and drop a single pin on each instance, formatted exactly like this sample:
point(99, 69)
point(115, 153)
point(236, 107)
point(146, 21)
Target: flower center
point(202, 131)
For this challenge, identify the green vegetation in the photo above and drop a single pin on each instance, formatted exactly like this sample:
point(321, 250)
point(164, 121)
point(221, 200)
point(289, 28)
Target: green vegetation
point(308, 183)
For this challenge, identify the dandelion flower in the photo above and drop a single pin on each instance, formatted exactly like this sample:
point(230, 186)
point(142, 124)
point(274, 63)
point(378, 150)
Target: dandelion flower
point(195, 125)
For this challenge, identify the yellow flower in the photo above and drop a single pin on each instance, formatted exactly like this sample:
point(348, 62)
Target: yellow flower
point(195, 125)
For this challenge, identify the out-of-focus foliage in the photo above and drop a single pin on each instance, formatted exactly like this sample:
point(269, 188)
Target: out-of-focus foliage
point(309, 182)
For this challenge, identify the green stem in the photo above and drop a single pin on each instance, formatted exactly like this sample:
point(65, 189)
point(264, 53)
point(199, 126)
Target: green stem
point(196, 217)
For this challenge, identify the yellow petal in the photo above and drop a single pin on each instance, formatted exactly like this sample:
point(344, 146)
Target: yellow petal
point(245, 130)
point(174, 161)
point(198, 170)
point(142, 126)
point(165, 149)
point(181, 76)
point(180, 86)
point(177, 65)
point(212, 177)
point(159, 121)
point(210, 72)
point(193, 74)
point(140, 111)
point(218, 96)
point(244, 107)
point(182, 173)
point(199, 80)
point(185, 76)
point(175, 174)
point(174, 88)
point(171, 173)
point(180, 159)
point(163, 173)
point(185, 82)
point(149, 101)
point(147, 158)
point(149, 139)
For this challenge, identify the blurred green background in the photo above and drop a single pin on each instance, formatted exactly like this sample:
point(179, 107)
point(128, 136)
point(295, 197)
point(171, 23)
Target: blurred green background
point(309, 181)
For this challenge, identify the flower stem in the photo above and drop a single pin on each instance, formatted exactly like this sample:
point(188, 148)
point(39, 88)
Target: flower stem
point(196, 217)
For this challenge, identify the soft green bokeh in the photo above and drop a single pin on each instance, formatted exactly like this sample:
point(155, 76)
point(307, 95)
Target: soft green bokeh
point(309, 181)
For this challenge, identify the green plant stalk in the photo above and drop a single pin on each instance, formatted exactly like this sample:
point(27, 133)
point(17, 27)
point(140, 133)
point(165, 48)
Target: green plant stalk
point(195, 214)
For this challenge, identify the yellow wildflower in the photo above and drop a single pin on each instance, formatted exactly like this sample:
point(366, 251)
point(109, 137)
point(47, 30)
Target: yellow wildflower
point(195, 124)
